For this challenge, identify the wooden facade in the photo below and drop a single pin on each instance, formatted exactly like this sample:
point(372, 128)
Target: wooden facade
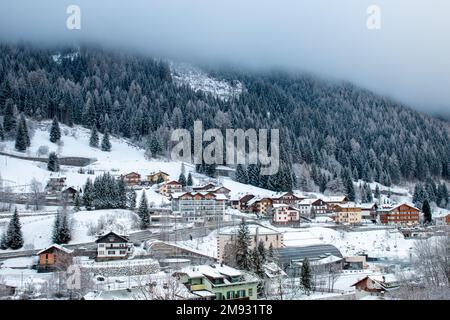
point(132, 179)
point(402, 214)
point(157, 177)
point(54, 258)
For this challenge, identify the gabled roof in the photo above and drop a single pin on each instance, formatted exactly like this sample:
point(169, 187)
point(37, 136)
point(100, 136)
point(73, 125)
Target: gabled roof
point(157, 173)
point(283, 194)
point(217, 196)
point(335, 199)
point(388, 209)
point(115, 238)
point(132, 173)
point(173, 182)
point(384, 282)
point(282, 205)
point(57, 247)
point(309, 201)
point(69, 188)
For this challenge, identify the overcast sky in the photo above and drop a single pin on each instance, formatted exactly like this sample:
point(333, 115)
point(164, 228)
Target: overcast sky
point(407, 59)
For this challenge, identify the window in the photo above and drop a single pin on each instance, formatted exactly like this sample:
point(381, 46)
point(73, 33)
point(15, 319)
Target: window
point(250, 291)
point(111, 252)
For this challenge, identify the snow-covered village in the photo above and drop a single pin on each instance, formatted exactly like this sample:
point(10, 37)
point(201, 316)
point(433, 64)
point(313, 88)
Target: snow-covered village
point(218, 154)
point(138, 227)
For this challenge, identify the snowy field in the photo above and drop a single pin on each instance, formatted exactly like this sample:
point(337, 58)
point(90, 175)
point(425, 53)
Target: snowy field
point(122, 159)
point(37, 231)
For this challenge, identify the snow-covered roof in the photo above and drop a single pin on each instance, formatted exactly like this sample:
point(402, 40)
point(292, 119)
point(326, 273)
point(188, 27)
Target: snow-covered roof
point(308, 201)
point(218, 196)
point(56, 246)
point(394, 207)
point(366, 206)
point(334, 198)
point(204, 293)
point(348, 205)
point(213, 271)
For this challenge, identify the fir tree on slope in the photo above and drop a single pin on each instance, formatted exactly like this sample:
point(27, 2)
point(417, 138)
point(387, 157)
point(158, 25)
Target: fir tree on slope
point(77, 202)
point(427, 217)
point(55, 131)
point(306, 276)
point(262, 250)
point(9, 119)
point(61, 228)
point(420, 195)
point(241, 174)
point(2, 133)
point(143, 212)
point(348, 184)
point(94, 139)
point(53, 162)
point(106, 145)
point(377, 193)
point(22, 138)
point(132, 199)
point(270, 253)
point(182, 180)
point(257, 262)
point(189, 182)
point(242, 244)
point(88, 196)
point(13, 237)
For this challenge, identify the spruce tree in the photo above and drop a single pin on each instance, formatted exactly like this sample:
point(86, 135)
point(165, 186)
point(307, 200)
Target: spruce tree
point(88, 196)
point(53, 162)
point(182, 180)
point(5, 94)
point(154, 147)
point(55, 132)
point(106, 145)
point(9, 119)
point(22, 139)
point(77, 203)
point(241, 174)
point(2, 133)
point(23, 121)
point(377, 192)
point(14, 237)
point(242, 247)
point(123, 193)
point(262, 251)
point(426, 212)
point(61, 228)
point(348, 184)
point(189, 180)
point(56, 228)
point(306, 276)
point(143, 212)
point(132, 199)
point(93, 141)
point(4, 242)
point(270, 253)
point(64, 231)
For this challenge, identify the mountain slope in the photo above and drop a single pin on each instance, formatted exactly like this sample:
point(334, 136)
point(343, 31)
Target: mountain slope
point(326, 128)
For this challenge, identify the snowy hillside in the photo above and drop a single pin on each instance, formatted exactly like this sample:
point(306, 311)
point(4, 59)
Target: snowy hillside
point(37, 231)
point(186, 74)
point(122, 159)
